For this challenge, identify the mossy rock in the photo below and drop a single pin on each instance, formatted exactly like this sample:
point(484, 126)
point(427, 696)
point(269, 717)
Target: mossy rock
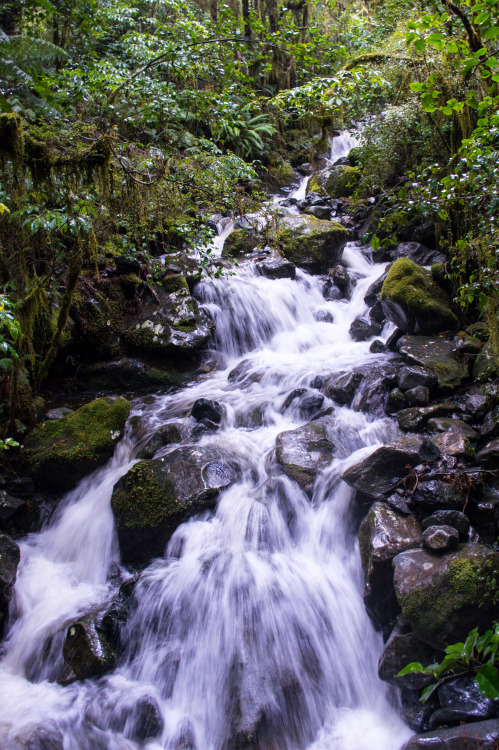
point(157, 495)
point(413, 302)
point(486, 366)
point(174, 282)
point(444, 596)
point(127, 374)
point(239, 242)
point(60, 452)
point(342, 181)
point(311, 243)
point(441, 355)
point(279, 174)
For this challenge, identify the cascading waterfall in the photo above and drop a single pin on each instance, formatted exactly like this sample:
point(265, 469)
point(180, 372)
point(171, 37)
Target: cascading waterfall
point(251, 631)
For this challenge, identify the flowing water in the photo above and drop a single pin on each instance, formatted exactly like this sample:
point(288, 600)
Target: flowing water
point(252, 626)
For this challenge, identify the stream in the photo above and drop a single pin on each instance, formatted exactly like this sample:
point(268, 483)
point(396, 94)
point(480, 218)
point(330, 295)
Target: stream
point(251, 631)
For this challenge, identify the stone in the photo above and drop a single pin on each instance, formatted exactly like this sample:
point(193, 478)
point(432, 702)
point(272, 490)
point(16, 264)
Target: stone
point(377, 313)
point(413, 302)
point(378, 474)
point(478, 402)
point(440, 538)
point(58, 413)
point(323, 316)
point(396, 401)
point(433, 494)
point(374, 291)
point(342, 386)
point(204, 408)
point(485, 366)
point(86, 651)
point(481, 735)
point(128, 373)
point(416, 418)
point(438, 594)
point(461, 700)
point(363, 329)
point(402, 648)
point(311, 243)
point(438, 354)
point(488, 456)
point(411, 377)
point(38, 737)
point(166, 435)
point(341, 181)
point(378, 347)
point(303, 452)
point(10, 556)
point(240, 242)
point(453, 444)
point(453, 518)
point(448, 424)
point(157, 495)
point(418, 396)
point(58, 453)
point(275, 268)
point(490, 426)
point(383, 534)
point(320, 212)
point(418, 253)
point(339, 274)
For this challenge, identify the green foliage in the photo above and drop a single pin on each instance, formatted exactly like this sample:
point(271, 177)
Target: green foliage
point(477, 656)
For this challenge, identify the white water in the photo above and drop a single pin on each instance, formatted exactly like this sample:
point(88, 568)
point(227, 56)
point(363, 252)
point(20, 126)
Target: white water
point(253, 622)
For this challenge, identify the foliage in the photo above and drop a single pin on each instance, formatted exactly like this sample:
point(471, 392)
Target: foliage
point(477, 656)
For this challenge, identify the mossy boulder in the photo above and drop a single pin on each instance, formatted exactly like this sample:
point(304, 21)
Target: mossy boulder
point(128, 374)
point(413, 302)
point(342, 181)
point(444, 596)
point(60, 452)
point(279, 174)
point(440, 355)
point(311, 243)
point(239, 242)
point(157, 495)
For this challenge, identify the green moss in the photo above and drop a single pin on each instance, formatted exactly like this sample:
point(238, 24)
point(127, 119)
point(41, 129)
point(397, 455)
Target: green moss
point(342, 181)
point(314, 185)
point(239, 242)
point(315, 242)
point(174, 283)
point(463, 577)
point(141, 500)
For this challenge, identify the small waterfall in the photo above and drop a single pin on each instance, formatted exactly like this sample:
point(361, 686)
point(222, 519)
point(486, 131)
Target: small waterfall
point(251, 630)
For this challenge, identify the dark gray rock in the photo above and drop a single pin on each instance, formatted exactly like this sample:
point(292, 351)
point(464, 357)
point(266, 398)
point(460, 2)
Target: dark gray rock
point(378, 347)
point(87, 652)
point(448, 424)
point(320, 212)
point(490, 426)
point(481, 735)
point(418, 396)
point(38, 737)
point(341, 387)
point(396, 401)
point(363, 328)
point(433, 495)
point(378, 474)
point(372, 294)
point(323, 316)
point(402, 648)
point(453, 518)
point(438, 354)
point(411, 377)
point(276, 268)
point(460, 700)
point(454, 444)
point(59, 413)
point(416, 418)
point(10, 556)
point(303, 452)
point(204, 408)
point(440, 538)
point(488, 456)
point(418, 253)
point(168, 434)
point(376, 313)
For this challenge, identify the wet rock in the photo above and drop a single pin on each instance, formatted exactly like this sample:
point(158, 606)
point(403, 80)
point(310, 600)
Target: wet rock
point(374, 291)
point(453, 518)
point(478, 402)
point(114, 620)
point(157, 495)
point(440, 355)
point(453, 444)
point(320, 212)
point(331, 292)
point(482, 735)
point(240, 242)
point(383, 534)
point(87, 652)
point(38, 737)
point(145, 720)
point(440, 538)
point(137, 717)
point(317, 382)
point(378, 347)
point(433, 494)
point(488, 456)
point(446, 424)
point(204, 427)
point(323, 316)
point(413, 302)
point(418, 253)
point(484, 515)
point(204, 408)
point(411, 377)
point(341, 387)
point(242, 373)
point(14, 513)
point(438, 594)
point(461, 700)
point(413, 712)
point(59, 413)
point(402, 648)
point(305, 169)
point(58, 453)
point(485, 366)
point(341, 181)
point(295, 394)
point(10, 556)
point(339, 274)
point(377, 313)
point(127, 373)
point(275, 268)
point(416, 418)
point(396, 401)
point(418, 396)
point(377, 474)
point(168, 434)
point(311, 243)
point(490, 426)
point(303, 452)
point(363, 328)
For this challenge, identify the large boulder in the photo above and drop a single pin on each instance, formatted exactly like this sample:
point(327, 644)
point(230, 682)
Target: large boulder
point(127, 373)
point(341, 387)
point(240, 242)
point(481, 735)
point(383, 534)
point(341, 181)
point(413, 302)
point(440, 355)
point(416, 418)
point(377, 474)
point(444, 596)
point(311, 243)
point(303, 452)
point(58, 453)
point(402, 648)
point(86, 651)
point(9, 560)
point(418, 253)
point(157, 495)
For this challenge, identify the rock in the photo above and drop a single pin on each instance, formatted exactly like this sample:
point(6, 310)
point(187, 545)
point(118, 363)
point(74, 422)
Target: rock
point(478, 402)
point(446, 424)
point(136, 717)
point(439, 594)
point(331, 292)
point(432, 495)
point(320, 212)
point(383, 534)
point(461, 700)
point(341, 387)
point(490, 425)
point(413, 302)
point(341, 181)
point(305, 169)
point(240, 242)
point(374, 291)
point(303, 452)
point(418, 253)
point(378, 347)
point(413, 712)
point(396, 401)
point(10, 556)
point(440, 355)
point(323, 316)
point(312, 244)
point(401, 649)
point(488, 456)
point(242, 374)
point(59, 413)
point(485, 366)
point(418, 396)
point(453, 444)
point(484, 515)
point(362, 329)
point(377, 313)
point(411, 377)
point(453, 518)
point(127, 373)
point(377, 474)
point(114, 620)
point(58, 453)
point(275, 268)
point(416, 418)
point(317, 382)
point(87, 652)
point(339, 274)
point(481, 735)
point(157, 495)
point(203, 408)
point(38, 737)
point(166, 435)
point(440, 538)
point(126, 265)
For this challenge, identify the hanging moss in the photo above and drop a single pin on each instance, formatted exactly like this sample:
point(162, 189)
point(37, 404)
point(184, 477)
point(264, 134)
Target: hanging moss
point(12, 137)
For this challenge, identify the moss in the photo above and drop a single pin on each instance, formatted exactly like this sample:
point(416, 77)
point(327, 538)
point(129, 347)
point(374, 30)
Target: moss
point(239, 242)
point(86, 435)
point(315, 243)
point(12, 136)
point(174, 283)
point(142, 499)
point(314, 185)
point(463, 577)
point(342, 181)
point(411, 287)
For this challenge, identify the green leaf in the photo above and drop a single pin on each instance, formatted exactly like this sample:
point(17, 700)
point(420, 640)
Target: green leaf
point(417, 86)
point(487, 680)
point(420, 45)
point(428, 692)
point(375, 243)
point(491, 33)
point(415, 667)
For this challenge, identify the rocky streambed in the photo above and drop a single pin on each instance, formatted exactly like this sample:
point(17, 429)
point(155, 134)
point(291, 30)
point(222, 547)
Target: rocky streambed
point(248, 561)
